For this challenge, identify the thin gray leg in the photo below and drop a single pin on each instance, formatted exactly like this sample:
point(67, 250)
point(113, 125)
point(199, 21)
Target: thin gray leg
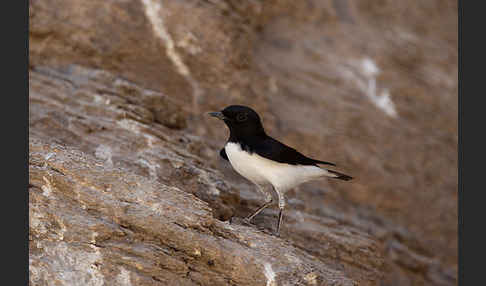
point(281, 206)
point(268, 201)
point(280, 217)
point(250, 217)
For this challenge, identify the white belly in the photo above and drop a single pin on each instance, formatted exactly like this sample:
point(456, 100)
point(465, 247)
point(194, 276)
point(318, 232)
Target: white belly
point(260, 170)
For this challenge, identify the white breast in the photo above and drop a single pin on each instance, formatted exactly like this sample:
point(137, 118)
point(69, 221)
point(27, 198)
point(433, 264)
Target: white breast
point(261, 170)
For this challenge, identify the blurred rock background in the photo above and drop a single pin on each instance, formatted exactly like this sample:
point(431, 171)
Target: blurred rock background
point(124, 87)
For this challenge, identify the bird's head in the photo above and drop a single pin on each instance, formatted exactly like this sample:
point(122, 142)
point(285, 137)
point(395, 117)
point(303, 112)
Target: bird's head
point(241, 120)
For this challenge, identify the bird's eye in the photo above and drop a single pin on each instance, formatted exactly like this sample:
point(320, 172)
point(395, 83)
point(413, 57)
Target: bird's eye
point(241, 117)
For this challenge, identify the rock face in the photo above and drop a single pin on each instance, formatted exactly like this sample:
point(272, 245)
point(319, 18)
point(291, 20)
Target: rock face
point(95, 225)
point(126, 184)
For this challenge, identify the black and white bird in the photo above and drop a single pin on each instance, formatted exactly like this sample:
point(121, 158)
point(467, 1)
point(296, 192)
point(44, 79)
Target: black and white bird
point(264, 160)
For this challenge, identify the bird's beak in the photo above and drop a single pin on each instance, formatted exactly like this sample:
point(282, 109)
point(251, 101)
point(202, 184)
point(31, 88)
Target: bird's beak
point(218, 115)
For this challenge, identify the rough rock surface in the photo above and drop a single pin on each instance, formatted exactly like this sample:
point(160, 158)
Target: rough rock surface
point(126, 185)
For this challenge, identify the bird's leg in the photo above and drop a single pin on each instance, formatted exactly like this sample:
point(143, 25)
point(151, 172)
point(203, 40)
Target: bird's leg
point(281, 205)
point(268, 201)
point(280, 217)
point(250, 217)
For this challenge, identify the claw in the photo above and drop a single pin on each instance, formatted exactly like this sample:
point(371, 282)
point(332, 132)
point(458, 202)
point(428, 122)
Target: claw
point(247, 220)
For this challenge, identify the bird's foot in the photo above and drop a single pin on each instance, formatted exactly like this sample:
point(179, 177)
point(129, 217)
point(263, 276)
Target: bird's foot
point(239, 220)
point(247, 220)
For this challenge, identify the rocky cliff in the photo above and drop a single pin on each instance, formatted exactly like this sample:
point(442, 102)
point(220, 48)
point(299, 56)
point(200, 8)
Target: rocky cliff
point(126, 184)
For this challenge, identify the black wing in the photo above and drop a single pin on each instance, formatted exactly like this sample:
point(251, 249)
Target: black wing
point(223, 155)
point(274, 150)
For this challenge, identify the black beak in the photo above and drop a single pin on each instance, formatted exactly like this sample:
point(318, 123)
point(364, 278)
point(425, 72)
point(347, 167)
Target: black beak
point(218, 115)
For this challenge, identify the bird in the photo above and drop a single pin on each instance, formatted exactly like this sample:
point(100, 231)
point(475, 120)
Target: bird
point(264, 160)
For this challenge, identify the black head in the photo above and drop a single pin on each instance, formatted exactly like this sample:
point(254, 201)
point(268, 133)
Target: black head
point(242, 121)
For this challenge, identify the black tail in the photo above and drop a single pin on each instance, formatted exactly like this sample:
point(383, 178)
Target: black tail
point(340, 175)
point(323, 162)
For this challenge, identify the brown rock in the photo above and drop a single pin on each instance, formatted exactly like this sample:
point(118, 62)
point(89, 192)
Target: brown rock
point(93, 224)
point(126, 183)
